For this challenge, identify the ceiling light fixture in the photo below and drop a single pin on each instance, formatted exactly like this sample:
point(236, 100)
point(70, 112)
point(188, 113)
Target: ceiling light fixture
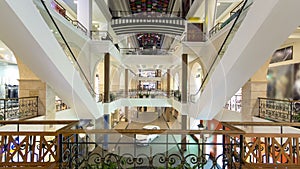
point(2, 49)
point(218, 4)
point(75, 1)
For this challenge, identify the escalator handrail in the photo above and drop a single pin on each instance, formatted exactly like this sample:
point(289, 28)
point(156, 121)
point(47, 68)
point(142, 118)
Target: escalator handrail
point(69, 48)
point(221, 48)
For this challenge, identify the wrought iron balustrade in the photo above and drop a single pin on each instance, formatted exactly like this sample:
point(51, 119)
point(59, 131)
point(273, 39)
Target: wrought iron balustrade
point(61, 144)
point(121, 149)
point(149, 51)
point(279, 110)
point(18, 108)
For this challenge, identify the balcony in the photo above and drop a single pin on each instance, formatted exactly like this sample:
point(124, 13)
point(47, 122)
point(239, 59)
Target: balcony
point(151, 22)
point(73, 144)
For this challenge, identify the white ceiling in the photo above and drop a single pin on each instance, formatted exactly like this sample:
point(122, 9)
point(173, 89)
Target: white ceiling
point(6, 55)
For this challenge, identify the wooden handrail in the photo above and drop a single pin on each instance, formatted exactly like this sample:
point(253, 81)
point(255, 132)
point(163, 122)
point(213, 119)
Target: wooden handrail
point(143, 131)
point(263, 124)
point(38, 122)
point(28, 97)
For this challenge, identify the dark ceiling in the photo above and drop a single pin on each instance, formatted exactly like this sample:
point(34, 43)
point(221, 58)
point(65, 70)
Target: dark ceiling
point(121, 8)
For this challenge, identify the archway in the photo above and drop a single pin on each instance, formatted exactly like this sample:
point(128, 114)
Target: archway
point(9, 74)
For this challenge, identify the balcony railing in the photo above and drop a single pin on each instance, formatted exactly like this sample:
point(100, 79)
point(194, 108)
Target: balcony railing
point(52, 144)
point(149, 51)
point(121, 149)
point(30, 144)
point(270, 145)
point(100, 35)
point(119, 14)
point(18, 108)
point(279, 110)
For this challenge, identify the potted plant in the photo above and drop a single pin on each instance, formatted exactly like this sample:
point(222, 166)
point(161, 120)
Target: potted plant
point(141, 95)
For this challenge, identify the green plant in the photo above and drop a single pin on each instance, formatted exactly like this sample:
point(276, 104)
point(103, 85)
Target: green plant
point(112, 96)
point(109, 165)
point(141, 95)
point(297, 117)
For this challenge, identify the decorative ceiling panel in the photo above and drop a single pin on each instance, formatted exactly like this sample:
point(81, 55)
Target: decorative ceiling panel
point(160, 6)
point(148, 40)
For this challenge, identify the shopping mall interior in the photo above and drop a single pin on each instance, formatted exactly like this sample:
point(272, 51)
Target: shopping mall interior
point(150, 84)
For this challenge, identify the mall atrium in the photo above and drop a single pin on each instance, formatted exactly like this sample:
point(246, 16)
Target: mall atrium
point(149, 84)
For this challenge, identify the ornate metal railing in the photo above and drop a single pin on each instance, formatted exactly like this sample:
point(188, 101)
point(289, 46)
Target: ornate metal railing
point(52, 144)
point(149, 51)
point(121, 149)
point(18, 108)
point(30, 144)
point(279, 110)
point(270, 145)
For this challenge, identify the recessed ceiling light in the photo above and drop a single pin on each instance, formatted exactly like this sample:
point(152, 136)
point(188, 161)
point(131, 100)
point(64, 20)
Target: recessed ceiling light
point(2, 49)
point(218, 4)
point(75, 1)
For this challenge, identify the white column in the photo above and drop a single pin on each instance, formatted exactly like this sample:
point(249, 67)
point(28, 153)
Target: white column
point(50, 102)
point(210, 11)
point(84, 13)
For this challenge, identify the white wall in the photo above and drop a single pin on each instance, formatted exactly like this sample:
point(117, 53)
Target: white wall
point(9, 74)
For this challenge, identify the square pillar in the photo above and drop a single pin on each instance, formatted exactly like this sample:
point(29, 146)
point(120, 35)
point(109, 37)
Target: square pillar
point(184, 119)
point(126, 94)
point(168, 82)
point(106, 78)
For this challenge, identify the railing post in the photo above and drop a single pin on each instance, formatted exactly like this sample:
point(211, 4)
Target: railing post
point(259, 107)
point(241, 150)
point(77, 150)
point(37, 105)
point(291, 111)
point(60, 150)
point(224, 147)
point(4, 110)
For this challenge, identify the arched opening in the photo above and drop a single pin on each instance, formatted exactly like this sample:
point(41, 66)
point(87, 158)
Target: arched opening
point(196, 77)
point(176, 82)
point(9, 74)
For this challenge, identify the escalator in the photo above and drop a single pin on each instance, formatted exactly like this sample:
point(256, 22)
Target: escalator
point(35, 44)
point(265, 26)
